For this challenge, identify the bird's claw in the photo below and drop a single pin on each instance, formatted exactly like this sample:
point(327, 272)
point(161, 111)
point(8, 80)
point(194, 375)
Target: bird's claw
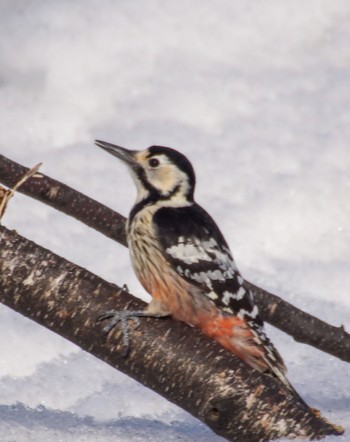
point(114, 317)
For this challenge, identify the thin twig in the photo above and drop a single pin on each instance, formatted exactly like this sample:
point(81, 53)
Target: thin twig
point(7, 194)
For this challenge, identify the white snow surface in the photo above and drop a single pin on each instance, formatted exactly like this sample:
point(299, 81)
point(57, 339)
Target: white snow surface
point(256, 94)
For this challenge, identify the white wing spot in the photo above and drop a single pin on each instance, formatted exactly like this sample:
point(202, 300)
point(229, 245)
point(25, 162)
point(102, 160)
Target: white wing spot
point(237, 296)
point(240, 294)
point(206, 277)
point(216, 275)
point(180, 270)
point(253, 314)
point(188, 253)
point(193, 251)
point(213, 295)
point(226, 297)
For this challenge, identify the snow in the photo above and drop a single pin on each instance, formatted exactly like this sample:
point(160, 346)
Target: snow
point(256, 94)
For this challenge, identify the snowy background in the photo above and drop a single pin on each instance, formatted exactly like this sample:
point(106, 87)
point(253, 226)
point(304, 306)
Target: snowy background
point(257, 95)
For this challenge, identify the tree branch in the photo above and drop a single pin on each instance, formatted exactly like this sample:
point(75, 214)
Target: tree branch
point(171, 358)
point(302, 326)
point(65, 199)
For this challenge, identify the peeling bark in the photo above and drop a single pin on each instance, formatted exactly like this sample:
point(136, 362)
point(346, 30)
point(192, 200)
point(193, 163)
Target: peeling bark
point(302, 326)
point(173, 359)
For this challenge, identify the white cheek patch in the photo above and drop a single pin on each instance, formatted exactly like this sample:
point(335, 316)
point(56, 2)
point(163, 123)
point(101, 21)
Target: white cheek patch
point(162, 178)
point(167, 178)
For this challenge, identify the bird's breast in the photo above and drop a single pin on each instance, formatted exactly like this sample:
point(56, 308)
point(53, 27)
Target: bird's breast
point(145, 252)
point(158, 276)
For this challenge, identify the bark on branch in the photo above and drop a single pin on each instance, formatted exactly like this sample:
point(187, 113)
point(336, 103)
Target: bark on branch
point(302, 326)
point(173, 359)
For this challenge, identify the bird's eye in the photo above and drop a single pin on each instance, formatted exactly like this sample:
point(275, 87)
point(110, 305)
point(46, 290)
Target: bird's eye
point(153, 162)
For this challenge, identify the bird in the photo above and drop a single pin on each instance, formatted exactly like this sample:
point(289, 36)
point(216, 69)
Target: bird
point(183, 261)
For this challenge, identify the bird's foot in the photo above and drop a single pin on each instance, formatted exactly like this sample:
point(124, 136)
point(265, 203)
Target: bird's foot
point(121, 316)
point(114, 317)
point(155, 309)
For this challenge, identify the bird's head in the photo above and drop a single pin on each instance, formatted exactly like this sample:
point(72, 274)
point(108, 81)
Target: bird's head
point(159, 172)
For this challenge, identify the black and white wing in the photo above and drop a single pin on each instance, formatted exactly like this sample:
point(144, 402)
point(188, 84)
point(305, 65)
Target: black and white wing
point(194, 246)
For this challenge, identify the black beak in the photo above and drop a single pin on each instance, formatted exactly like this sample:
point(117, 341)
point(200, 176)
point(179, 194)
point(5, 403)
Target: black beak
point(126, 155)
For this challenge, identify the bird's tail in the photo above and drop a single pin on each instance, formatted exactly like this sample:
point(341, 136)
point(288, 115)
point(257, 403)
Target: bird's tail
point(247, 340)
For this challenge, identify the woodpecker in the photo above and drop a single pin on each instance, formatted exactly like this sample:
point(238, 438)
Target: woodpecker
point(182, 259)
